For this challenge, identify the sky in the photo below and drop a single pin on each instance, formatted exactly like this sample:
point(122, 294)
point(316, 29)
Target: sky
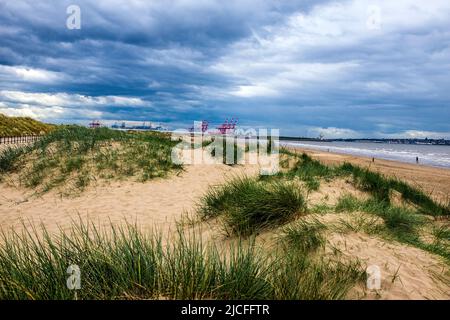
point(341, 69)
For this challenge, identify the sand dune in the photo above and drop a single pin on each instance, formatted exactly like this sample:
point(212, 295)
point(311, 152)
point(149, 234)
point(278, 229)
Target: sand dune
point(434, 181)
point(408, 272)
point(158, 203)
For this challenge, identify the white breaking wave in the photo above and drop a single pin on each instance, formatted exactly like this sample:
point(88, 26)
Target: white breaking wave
point(433, 155)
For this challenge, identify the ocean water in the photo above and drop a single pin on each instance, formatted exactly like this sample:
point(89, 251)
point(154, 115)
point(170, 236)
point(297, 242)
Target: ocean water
point(432, 155)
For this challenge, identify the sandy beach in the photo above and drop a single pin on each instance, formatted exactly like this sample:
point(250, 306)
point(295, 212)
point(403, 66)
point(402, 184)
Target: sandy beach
point(163, 201)
point(160, 203)
point(434, 181)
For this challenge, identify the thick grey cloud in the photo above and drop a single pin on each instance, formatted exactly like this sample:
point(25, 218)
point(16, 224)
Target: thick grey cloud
point(306, 67)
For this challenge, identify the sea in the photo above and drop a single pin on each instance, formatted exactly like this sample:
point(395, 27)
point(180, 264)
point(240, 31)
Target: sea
point(431, 155)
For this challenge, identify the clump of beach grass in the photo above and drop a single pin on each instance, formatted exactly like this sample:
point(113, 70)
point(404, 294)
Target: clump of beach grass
point(399, 223)
point(220, 150)
point(306, 169)
point(381, 187)
point(9, 156)
point(304, 235)
point(128, 264)
point(300, 277)
point(306, 275)
point(125, 263)
point(419, 198)
point(441, 233)
point(359, 222)
point(399, 220)
point(368, 181)
point(247, 205)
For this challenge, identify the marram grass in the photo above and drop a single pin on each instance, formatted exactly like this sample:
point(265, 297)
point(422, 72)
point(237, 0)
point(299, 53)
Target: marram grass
point(22, 126)
point(399, 223)
point(379, 186)
point(71, 157)
point(305, 236)
point(125, 263)
point(248, 205)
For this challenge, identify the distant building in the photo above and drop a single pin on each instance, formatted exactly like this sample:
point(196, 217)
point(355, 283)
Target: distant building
point(94, 124)
point(143, 127)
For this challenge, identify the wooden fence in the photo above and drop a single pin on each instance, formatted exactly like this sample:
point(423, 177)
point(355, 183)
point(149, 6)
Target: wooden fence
point(19, 139)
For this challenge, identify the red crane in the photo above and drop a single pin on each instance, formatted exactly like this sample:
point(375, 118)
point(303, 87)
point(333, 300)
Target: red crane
point(204, 127)
point(227, 126)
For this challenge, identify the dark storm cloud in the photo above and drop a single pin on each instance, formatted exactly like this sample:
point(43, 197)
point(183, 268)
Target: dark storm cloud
point(302, 66)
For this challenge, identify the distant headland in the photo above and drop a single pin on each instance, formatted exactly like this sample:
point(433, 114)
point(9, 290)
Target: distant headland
point(424, 141)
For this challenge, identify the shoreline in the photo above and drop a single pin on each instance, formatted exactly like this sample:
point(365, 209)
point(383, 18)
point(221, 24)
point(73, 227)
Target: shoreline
point(432, 180)
point(424, 159)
